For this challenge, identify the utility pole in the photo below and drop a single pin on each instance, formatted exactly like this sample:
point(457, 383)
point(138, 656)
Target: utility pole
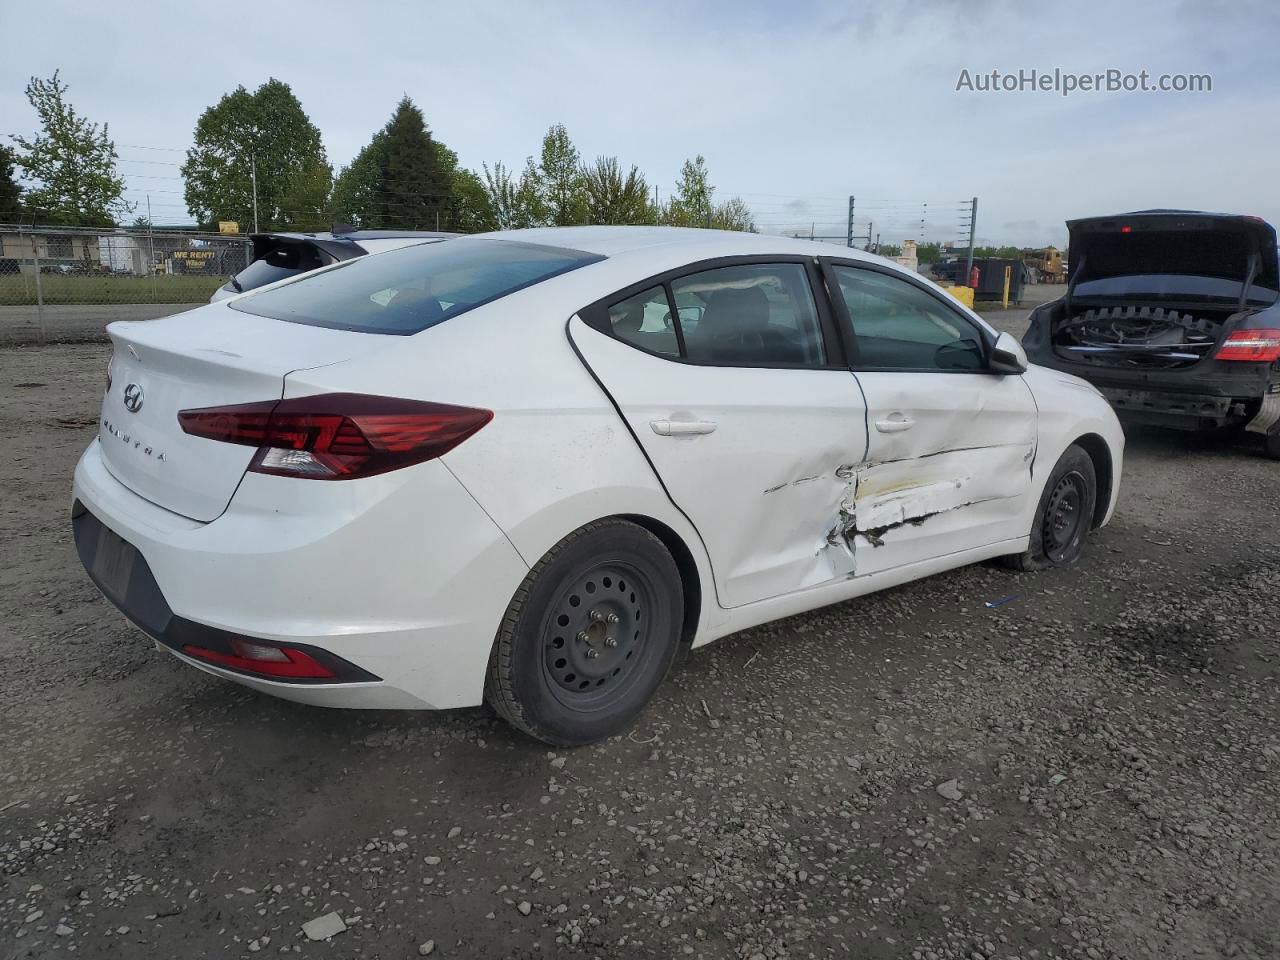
point(151, 243)
point(850, 239)
point(973, 223)
point(253, 174)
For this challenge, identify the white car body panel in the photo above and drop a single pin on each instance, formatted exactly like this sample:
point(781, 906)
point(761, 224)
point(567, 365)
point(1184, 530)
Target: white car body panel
point(764, 486)
point(408, 574)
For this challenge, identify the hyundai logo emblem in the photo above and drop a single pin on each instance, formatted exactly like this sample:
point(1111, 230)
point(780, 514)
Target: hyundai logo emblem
point(133, 398)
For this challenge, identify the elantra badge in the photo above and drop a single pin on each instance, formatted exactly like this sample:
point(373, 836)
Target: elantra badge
point(133, 398)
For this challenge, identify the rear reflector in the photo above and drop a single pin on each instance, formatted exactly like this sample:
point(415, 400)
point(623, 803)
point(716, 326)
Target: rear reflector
point(1255, 346)
point(283, 663)
point(337, 436)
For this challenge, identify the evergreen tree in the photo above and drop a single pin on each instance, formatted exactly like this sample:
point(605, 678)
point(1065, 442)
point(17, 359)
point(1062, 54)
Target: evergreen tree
point(10, 192)
point(415, 191)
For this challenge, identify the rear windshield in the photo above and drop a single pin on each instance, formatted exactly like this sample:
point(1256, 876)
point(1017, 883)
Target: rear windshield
point(1173, 286)
point(408, 290)
point(283, 261)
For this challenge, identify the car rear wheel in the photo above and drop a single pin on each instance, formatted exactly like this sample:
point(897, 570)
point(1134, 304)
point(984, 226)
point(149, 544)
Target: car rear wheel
point(1063, 516)
point(589, 635)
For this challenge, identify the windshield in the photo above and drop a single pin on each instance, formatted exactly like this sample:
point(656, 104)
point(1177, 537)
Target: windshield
point(408, 290)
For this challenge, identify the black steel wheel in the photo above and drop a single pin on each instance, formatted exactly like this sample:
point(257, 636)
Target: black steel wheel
point(589, 635)
point(1063, 520)
point(1064, 514)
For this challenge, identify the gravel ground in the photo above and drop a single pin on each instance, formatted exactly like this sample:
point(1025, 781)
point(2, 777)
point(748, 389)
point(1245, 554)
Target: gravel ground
point(1089, 770)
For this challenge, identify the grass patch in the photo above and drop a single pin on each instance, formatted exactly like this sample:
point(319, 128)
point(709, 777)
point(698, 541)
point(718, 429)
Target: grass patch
point(20, 290)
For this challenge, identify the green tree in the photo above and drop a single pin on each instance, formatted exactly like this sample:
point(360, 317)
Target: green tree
point(515, 201)
point(473, 213)
point(10, 192)
point(354, 199)
point(733, 214)
point(305, 205)
point(609, 197)
point(930, 252)
point(889, 250)
point(404, 178)
point(415, 190)
point(267, 128)
point(72, 162)
point(560, 180)
point(691, 205)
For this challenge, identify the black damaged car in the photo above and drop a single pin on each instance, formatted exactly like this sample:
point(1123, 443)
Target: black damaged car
point(1173, 315)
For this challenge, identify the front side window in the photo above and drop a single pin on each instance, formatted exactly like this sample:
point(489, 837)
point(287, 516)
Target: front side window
point(408, 290)
point(898, 326)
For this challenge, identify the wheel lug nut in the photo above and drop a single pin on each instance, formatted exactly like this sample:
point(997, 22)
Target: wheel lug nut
point(610, 641)
point(612, 618)
point(592, 653)
point(583, 636)
point(596, 615)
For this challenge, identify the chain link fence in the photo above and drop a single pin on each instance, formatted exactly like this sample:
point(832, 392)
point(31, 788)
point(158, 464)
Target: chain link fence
point(68, 282)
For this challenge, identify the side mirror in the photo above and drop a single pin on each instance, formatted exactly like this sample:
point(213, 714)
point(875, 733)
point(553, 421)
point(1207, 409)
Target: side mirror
point(1007, 356)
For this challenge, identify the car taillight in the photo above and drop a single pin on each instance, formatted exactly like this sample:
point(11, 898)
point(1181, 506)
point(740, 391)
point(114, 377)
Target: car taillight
point(264, 659)
point(1257, 346)
point(337, 436)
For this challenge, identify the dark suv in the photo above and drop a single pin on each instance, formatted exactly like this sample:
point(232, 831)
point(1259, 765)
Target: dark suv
point(1173, 315)
point(280, 255)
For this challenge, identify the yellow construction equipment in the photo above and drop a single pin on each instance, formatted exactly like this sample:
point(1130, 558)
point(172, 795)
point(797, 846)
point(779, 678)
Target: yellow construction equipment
point(1047, 263)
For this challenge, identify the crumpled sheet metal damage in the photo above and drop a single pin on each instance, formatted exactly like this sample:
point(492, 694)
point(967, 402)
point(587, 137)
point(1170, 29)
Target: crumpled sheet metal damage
point(881, 497)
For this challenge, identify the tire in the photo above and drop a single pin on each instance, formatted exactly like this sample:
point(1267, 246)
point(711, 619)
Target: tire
point(1272, 444)
point(1064, 514)
point(610, 587)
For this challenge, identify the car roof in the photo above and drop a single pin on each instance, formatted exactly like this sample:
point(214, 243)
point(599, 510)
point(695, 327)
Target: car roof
point(624, 240)
point(356, 235)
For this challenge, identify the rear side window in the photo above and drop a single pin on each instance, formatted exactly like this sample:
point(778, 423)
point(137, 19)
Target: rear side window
point(747, 315)
point(408, 290)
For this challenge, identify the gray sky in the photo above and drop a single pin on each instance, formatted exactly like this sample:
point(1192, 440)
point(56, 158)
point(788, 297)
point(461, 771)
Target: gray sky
point(795, 106)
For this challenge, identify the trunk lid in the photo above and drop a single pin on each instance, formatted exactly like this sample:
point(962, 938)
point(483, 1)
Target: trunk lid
point(210, 356)
point(1225, 248)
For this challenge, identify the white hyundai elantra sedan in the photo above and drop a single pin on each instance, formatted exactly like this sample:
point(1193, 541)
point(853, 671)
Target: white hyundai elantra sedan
point(530, 467)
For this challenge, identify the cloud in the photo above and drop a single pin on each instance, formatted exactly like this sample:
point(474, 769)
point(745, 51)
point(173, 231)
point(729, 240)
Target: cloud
point(794, 108)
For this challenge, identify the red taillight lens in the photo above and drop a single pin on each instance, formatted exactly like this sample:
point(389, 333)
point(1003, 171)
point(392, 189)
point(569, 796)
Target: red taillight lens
point(337, 436)
point(264, 659)
point(1256, 346)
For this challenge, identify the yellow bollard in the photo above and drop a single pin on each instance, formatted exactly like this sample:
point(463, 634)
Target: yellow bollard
point(1008, 275)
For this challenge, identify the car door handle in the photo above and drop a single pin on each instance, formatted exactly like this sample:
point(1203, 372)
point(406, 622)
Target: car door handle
point(682, 428)
point(895, 423)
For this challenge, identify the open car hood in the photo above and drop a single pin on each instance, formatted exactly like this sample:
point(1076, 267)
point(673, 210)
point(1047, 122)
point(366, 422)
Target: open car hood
point(1174, 242)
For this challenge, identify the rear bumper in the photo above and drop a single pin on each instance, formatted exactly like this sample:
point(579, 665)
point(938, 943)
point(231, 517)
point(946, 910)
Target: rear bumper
point(1205, 397)
point(402, 578)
